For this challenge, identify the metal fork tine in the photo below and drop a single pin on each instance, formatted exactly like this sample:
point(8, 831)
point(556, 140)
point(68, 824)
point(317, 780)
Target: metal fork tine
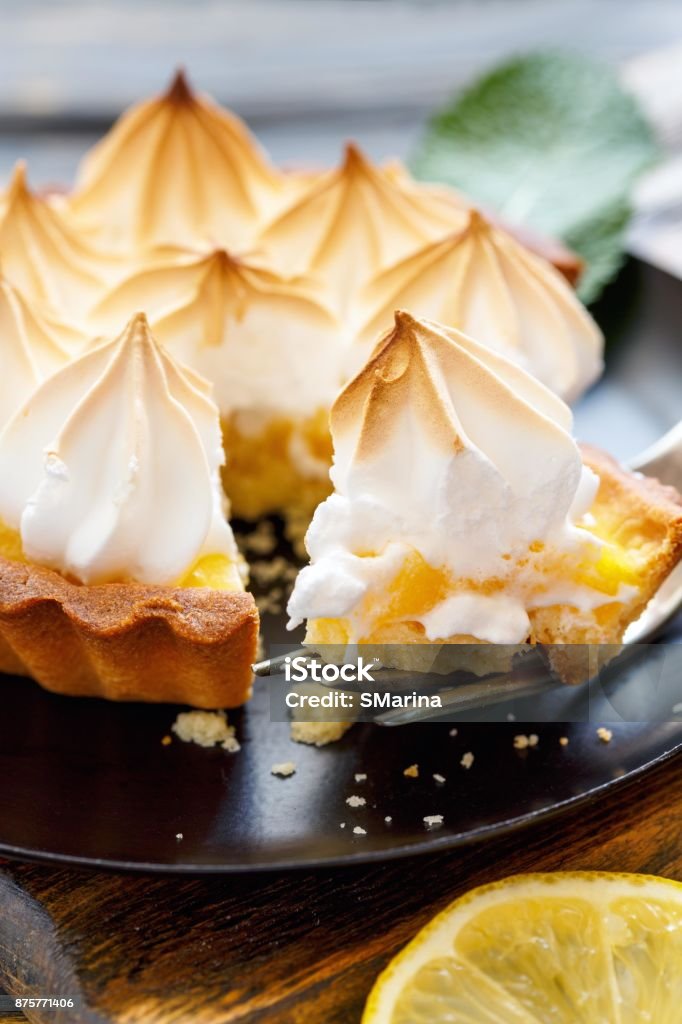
point(271, 666)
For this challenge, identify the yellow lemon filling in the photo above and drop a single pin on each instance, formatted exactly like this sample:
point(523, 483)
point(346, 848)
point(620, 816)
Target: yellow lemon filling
point(418, 587)
point(217, 572)
point(262, 474)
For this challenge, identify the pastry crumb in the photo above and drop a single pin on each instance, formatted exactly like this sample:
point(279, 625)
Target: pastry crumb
point(342, 824)
point(522, 742)
point(179, 835)
point(433, 820)
point(166, 740)
point(206, 729)
point(388, 819)
point(359, 831)
point(453, 732)
point(605, 735)
point(355, 801)
point(438, 778)
point(563, 740)
point(318, 734)
point(360, 776)
point(284, 769)
point(261, 541)
point(467, 760)
point(412, 772)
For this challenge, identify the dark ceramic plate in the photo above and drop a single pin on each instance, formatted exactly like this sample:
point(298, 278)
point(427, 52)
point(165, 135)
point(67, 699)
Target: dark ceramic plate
point(87, 782)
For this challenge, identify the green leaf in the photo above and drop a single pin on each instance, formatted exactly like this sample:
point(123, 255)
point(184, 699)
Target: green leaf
point(550, 140)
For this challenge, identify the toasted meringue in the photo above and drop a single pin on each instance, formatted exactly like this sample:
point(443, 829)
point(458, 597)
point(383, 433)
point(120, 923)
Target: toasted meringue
point(482, 281)
point(110, 471)
point(354, 221)
point(44, 257)
point(459, 501)
point(32, 346)
point(269, 345)
point(275, 354)
point(177, 169)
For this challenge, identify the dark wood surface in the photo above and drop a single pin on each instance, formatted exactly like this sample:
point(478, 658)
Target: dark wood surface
point(288, 948)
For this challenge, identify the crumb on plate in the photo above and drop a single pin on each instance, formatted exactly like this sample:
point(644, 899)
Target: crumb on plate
point(467, 760)
point(318, 734)
point(284, 769)
point(433, 820)
point(206, 729)
point(355, 801)
point(412, 772)
point(605, 735)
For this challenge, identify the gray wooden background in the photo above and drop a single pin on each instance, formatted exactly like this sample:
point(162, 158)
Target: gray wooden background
point(304, 73)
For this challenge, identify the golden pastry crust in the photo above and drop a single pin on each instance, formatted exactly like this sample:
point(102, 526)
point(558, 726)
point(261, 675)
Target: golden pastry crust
point(127, 641)
point(642, 515)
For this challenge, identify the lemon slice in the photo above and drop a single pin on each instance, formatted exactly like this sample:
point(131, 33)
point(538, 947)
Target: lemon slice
point(565, 948)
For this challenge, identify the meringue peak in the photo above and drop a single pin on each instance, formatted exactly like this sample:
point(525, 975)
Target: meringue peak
point(177, 169)
point(426, 374)
point(43, 256)
point(481, 280)
point(267, 342)
point(355, 220)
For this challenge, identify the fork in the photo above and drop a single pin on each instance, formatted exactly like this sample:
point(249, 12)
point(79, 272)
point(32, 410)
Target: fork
point(663, 460)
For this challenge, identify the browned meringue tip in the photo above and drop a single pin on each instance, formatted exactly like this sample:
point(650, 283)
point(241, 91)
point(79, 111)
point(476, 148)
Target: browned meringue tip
point(353, 157)
point(18, 183)
point(477, 221)
point(127, 641)
point(180, 91)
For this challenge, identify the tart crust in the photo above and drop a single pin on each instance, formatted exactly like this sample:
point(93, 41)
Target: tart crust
point(645, 516)
point(127, 641)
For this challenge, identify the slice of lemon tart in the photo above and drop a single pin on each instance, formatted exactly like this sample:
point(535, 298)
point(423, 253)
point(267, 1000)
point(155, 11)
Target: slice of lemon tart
point(464, 511)
point(119, 573)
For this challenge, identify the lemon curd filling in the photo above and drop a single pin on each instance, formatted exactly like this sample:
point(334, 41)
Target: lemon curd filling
point(263, 474)
point(419, 587)
point(217, 572)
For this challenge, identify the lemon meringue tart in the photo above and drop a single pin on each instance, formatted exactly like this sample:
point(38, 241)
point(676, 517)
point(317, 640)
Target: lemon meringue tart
point(275, 353)
point(464, 511)
point(180, 170)
point(119, 573)
point(482, 281)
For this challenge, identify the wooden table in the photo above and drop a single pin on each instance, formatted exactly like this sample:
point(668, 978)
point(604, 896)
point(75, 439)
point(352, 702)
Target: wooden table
point(297, 948)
